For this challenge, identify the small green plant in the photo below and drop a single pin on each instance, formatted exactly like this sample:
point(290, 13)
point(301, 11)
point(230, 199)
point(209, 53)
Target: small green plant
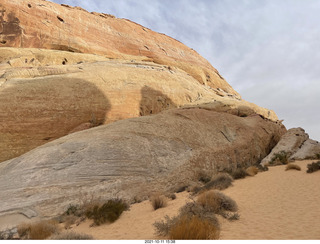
point(313, 167)
point(158, 201)
point(291, 166)
point(280, 158)
point(107, 212)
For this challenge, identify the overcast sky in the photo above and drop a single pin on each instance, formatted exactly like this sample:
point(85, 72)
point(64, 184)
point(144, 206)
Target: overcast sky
point(267, 50)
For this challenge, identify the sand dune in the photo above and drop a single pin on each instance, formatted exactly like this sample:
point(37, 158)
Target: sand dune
point(276, 204)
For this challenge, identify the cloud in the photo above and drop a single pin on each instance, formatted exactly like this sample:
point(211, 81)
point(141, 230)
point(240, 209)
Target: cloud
point(268, 50)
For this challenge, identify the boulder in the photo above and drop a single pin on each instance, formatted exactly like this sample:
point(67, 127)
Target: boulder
point(132, 158)
point(310, 149)
point(295, 145)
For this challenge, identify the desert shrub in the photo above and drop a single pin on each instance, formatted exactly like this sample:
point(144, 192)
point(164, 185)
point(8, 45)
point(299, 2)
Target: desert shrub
point(158, 201)
point(189, 210)
point(293, 166)
point(163, 227)
point(252, 170)
point(107, 212)
point(193, 228)
point(70, 235)
point(181, 189)
point(217, 202)
point(69, 220)
point(172, 196)
point(280, 158)
point(38, 231)
point(314, 166)
point(232, 216)
point(238, 173)
point(317, 155)
point(74, 210)
point(204, 176)
point(220, 181)
point(262, 168)
point(194, 209)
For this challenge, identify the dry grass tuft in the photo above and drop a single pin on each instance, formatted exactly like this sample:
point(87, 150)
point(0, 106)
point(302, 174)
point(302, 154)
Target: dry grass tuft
point(158, 201)
point(189, 210)
point(70, 235)
point(194, 228)
point(38, 231)
point(293, 166)
point(217, 202)
point(252, 170)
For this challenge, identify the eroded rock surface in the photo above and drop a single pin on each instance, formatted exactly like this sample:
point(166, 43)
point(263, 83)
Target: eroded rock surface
point(132, 158)
point(43, 24)
point(41, 99)
point(100, 69)
point(296, 145)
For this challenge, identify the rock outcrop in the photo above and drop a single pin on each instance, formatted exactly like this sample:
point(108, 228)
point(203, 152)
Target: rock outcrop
point(132, 158)
point(296, 145)
point(42, 100)
point(102, 69)
point(42, 24)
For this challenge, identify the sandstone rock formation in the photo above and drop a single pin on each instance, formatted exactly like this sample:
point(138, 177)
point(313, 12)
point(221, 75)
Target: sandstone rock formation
point(296, 145)
point(42, 100)
point(133, 157)
point(46, 94)
point(42, 24)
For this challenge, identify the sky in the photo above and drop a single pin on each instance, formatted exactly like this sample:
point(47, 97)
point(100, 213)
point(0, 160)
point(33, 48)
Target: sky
point(267, 50)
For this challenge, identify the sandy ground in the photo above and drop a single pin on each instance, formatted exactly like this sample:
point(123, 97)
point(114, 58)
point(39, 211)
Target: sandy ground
point(276, 204)
point(135, 224)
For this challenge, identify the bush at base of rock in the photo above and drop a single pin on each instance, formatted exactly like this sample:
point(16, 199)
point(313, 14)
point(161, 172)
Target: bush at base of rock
point(313, 167)
point(107, 212)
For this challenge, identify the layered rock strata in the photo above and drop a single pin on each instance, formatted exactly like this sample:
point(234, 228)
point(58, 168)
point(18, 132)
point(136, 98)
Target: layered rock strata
point(133, 158)
point(41, 99)
point(42, 24)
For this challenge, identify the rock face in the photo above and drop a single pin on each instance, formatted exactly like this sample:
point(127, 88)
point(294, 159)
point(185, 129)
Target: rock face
point(133, 157)
point(296, 145)
point(42, 100)
point(42, 24)
point(163, 112)
point(101, 69)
